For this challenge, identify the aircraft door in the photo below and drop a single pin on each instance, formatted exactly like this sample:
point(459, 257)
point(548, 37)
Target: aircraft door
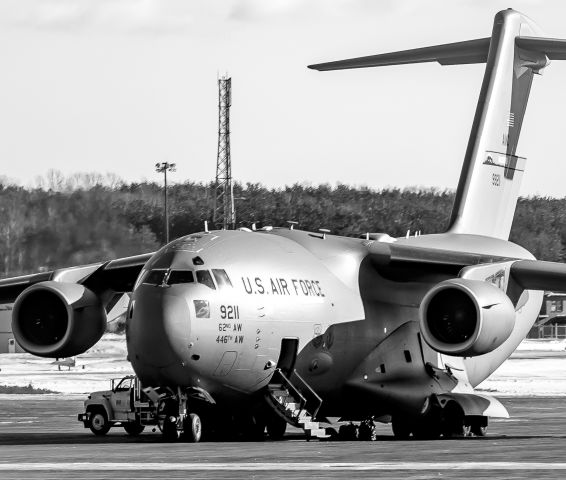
point(226, 364)
point(288, 355)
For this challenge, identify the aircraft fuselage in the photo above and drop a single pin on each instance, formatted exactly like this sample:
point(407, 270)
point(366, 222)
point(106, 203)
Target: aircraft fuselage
point(210, 310)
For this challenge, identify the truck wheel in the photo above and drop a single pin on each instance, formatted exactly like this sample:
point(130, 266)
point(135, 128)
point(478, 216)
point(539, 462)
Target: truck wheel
point(133, 428)
point(192, 428)
point(99, 424)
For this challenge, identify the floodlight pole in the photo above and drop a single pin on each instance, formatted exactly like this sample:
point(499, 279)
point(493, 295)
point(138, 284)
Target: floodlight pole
point(163, 167)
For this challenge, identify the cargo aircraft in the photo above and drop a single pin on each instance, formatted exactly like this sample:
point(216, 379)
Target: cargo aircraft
point(238, 331)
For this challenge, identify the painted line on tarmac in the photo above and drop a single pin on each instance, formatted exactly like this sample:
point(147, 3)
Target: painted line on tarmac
point(283, 466)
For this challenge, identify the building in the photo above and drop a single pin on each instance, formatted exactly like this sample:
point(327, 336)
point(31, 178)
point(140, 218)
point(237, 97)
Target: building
point(7, 342)
point(551, 322)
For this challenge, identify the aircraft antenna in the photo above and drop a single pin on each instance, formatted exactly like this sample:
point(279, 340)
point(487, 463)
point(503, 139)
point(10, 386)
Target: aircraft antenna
point(224, 213)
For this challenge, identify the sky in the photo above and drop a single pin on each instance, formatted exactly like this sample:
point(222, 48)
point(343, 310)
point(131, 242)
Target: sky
point(118, 85)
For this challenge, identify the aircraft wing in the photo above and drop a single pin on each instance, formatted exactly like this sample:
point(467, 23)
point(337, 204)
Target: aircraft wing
point(391, 254)
point(116, 275)
point(540, 275)
point(529, 274)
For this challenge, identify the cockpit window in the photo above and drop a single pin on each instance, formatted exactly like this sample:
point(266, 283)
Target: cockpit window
point(204, 277)
point(155, 277)
point(180, 276)
point(222, 279)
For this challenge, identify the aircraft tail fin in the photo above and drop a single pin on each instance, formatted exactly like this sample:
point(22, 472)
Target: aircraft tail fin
point(488, 189)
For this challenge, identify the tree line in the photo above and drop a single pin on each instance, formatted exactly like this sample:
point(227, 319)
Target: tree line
point(84, 218)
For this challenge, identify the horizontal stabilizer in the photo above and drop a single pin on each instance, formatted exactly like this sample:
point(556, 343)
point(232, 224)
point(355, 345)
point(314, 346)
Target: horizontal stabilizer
point(471, 51)
point(553, 48)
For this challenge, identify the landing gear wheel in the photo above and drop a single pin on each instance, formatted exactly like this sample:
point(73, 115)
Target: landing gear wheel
point(427, 428)
point(170, 432)
point(276, 427)
point(367, 431)
point(192, 428)
point(252, 427)
point(99, 424)
point(401, 428)
point(348, 432)
point(478, 426)
point(453, 421)
point(133, 429)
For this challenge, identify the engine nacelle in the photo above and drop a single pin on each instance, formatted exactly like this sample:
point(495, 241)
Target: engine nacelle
point(56, 319)
point(466, 318)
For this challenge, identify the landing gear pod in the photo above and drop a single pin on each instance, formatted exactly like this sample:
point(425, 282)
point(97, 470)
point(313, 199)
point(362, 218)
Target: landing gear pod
point(466, 317)
point(55, 319)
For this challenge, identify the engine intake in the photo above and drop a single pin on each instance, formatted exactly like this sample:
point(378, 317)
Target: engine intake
point(466, 317)
point(56, 319)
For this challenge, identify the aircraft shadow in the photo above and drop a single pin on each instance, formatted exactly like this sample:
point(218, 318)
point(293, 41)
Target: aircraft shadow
point(23, 438)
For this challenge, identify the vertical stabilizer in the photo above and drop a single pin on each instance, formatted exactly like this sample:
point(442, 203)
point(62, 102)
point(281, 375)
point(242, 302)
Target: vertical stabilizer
point(489, 183)
point(491, 176)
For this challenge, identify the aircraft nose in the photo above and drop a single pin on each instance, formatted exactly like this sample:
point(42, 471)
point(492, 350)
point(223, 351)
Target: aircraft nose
point(159, 327)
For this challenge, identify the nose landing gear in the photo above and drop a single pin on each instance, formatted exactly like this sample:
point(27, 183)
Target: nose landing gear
point(176, 421)
point(192, 428)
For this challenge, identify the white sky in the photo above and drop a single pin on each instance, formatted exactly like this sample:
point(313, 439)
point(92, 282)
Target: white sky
point(118, 85)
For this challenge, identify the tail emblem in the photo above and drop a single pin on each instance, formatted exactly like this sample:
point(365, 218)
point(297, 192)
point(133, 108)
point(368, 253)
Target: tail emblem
point(510, 163)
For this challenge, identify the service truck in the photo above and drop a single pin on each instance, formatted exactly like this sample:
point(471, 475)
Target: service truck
point(125, 404)
point(134, 407)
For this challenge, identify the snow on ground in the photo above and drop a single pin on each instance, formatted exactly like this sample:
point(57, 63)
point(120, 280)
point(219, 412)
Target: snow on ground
point(531, 375)
point(522, 374)
point(543, 345)
point(93, 369)
point(528, 377)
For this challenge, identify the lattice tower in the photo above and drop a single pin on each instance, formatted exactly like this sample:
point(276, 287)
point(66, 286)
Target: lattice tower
point(224, 213)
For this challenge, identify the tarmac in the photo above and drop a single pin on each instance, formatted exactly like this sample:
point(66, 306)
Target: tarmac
point(41, 438)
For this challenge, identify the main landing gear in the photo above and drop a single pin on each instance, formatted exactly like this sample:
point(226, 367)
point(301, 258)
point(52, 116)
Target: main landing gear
point(365, 431)
point(447, 423)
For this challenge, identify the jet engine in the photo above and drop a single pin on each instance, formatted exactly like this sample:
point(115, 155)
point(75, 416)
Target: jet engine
point(56, 319)
point(466, 318)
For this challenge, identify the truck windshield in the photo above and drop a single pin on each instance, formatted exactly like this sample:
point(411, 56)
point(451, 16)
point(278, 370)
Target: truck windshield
point(124, 384)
